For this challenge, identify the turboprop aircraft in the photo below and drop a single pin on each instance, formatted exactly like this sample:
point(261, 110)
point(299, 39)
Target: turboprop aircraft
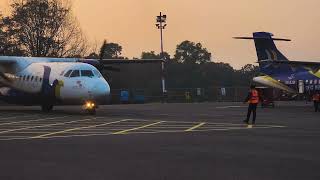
point(278, 72)
point(56, 81)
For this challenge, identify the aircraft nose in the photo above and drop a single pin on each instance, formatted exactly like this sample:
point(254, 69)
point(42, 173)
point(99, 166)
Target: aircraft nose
point(101, 91)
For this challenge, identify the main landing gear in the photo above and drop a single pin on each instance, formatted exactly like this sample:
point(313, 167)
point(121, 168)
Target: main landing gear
point(90, 107)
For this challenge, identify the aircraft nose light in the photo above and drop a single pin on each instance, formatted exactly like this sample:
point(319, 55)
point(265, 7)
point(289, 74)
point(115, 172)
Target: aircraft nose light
point(90, 105)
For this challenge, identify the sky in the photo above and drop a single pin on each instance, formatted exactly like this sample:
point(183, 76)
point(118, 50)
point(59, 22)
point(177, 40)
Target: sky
point(131, 23)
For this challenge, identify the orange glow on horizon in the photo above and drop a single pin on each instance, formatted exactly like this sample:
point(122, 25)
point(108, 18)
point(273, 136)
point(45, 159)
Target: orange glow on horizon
point(211, 22)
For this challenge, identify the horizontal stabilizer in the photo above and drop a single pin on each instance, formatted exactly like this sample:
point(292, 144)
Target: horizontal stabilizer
point(265, 46)
point(253, 38)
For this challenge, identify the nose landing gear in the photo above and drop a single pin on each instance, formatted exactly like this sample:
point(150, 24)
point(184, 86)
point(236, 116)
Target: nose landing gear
point(46, 107)
point(90, 107)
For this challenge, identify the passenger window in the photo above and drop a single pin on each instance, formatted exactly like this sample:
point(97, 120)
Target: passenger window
point(40, 79)
point(28, 77)
point(24, 77)
point(97, 73)
point(31, 78)
point(86, 73)
point(36, 79)
point(68, 73)
point(75, 73)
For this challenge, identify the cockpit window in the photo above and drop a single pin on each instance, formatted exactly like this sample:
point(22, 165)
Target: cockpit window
point(97, 73)
point(75, 73)
point(68, 73)
point(87, 73)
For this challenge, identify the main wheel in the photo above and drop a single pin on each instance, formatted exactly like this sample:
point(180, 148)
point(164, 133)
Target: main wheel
point(46, 107)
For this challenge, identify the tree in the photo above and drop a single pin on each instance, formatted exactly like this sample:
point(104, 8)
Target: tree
point(93, 55)
point(190, 52)
point(249, 68)
point(110, 51)
point(7, 46)
point(44, 28)
point(149, 55)
point(152, 55)
point(166, 56)
point(247, 72)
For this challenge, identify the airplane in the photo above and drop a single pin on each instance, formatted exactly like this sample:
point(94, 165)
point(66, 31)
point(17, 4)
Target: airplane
point(56, 81)
point(277, 71)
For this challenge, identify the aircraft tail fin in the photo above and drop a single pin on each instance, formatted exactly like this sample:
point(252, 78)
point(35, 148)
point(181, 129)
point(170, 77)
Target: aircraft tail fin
point(265, 47)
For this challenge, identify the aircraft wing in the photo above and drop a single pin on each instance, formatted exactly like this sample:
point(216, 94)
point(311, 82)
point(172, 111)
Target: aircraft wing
point(311, 65)
point(299, 63)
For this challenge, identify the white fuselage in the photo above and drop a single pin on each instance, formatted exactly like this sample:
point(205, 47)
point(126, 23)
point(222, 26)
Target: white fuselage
point(70, 82)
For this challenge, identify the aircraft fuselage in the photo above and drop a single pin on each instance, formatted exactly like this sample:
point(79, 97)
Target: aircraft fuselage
point(66, 83)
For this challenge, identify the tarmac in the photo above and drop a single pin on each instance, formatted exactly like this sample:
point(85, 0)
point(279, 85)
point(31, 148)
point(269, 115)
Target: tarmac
point(160, 141)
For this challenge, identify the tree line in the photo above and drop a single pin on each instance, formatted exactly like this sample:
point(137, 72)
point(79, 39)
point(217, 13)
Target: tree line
point(47, 28)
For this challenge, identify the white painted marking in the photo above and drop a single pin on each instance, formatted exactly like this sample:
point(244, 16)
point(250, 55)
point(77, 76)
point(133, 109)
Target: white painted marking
point(141, 127)
point(13, 117)
point(195, 127)
point(80, 128)
point(47, 125)
point(35, 120)
point(226, 107)
point(134, 132)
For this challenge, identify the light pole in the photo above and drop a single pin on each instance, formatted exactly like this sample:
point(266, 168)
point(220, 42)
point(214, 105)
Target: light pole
point(161, 24)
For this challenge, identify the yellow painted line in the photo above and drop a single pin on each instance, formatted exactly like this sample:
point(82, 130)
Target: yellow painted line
point(141, 127)
point(35, 120)
point(47, 125)
point(195, 127)
point(79, 128)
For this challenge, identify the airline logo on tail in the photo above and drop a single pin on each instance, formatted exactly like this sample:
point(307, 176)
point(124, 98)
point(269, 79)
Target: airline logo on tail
point(272, 55)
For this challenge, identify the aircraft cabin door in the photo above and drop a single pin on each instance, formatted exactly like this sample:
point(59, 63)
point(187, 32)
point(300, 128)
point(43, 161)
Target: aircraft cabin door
point(301, 86)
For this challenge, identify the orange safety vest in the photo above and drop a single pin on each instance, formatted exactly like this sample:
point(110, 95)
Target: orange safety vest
point(316, 97)
point(254, 97)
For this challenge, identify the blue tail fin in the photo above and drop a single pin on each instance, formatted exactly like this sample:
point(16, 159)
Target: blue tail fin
point(267, 51)
point(265, 47)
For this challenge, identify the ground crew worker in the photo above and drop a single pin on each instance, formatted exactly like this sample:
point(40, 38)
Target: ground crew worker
point(316, 100)
point(253, 100)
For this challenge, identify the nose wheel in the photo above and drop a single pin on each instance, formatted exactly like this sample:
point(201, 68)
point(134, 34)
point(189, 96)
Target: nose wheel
point(46, 107)
point(90, 107)
point(92, 111)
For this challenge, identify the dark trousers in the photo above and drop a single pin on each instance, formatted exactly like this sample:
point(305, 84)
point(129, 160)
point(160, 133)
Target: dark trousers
point(252, 108)
point(316, 105)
